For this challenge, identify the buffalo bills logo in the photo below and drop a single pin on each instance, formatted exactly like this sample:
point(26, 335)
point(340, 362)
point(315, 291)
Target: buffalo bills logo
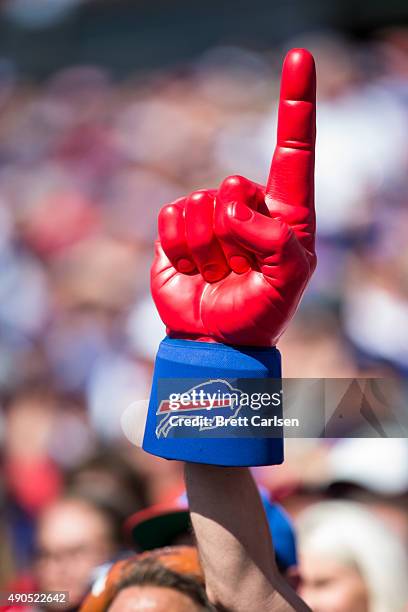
point(204, 400)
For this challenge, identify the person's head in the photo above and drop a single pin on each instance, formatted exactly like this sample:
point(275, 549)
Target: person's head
point(350, 561)
point(153, 587)
point(73, 537)
point(164, 580)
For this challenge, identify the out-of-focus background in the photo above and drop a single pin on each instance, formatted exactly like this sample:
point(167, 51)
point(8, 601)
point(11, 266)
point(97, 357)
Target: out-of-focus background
point(108, 110)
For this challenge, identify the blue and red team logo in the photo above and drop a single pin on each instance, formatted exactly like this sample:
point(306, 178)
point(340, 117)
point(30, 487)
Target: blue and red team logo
point(197, 408)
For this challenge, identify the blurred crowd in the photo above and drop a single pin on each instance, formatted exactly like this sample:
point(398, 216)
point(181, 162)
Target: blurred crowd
point(86, 162)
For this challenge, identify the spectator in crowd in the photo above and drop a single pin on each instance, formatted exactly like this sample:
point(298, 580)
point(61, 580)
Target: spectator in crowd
point(74, 536)
point(350, 561)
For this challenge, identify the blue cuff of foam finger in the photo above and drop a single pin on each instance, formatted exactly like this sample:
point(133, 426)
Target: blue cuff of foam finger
point(199, 410)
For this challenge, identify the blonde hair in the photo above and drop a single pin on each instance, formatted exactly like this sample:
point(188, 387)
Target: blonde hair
point(352, 535)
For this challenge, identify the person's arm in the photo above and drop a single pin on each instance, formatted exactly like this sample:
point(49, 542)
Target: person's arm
point(234, 541)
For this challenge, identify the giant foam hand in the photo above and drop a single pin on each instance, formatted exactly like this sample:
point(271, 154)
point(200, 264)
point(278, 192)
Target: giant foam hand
point(231, 264)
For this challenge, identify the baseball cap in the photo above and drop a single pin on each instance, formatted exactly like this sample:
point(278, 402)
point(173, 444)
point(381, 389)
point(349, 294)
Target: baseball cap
point(161, 524)
point(180, 559)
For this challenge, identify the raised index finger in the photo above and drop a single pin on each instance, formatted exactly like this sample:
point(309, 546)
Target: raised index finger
point(290, 186)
